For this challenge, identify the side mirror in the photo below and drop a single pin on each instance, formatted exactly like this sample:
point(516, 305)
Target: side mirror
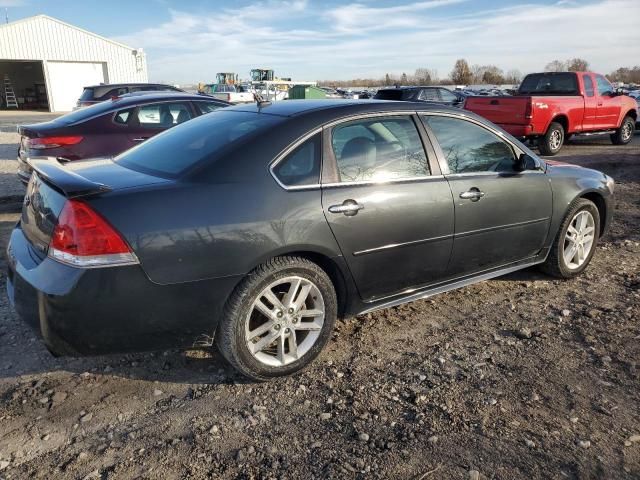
point(526, 162)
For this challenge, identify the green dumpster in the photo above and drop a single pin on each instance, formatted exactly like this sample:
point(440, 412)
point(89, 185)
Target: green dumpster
point(302, 92)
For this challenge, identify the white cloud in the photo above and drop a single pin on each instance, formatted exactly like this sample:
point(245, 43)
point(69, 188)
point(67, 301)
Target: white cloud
point(358, 40)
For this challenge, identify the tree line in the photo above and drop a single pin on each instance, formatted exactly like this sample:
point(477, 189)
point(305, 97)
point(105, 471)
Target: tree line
point(465, 74)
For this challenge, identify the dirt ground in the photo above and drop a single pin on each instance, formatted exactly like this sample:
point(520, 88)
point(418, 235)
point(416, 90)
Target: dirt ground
point(522, 377)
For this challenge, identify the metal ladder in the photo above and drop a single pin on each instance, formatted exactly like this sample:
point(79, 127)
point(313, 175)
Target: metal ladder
point(9, 94)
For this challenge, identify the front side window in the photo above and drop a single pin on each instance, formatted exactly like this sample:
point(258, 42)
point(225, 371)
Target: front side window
point(604, 87)
point(447, 96)
point(302, 165)
point(588, 85)
point(378, 149)
point(470, 148)
point(163, 115)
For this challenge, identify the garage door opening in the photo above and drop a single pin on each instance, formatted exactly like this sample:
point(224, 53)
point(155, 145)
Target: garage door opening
point(28, 82)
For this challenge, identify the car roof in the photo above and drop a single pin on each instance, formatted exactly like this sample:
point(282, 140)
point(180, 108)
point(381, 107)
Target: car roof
point(115, 85)
point(339, 107)
point(134, 98)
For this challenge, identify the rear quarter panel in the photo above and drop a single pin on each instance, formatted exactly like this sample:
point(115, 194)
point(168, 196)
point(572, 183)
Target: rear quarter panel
point(547, 109)
point(188, 232)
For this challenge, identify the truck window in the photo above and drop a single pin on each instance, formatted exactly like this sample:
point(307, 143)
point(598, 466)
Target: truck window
point(588, 85)
point(550, 83)
point(604, 87)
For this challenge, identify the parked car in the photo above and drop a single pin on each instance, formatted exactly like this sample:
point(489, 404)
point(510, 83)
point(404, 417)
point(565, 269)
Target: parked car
point(550, 107)
point(108, 128)
point(331, 92)
point(438, 95)
point(259, 225)
point(99, 93)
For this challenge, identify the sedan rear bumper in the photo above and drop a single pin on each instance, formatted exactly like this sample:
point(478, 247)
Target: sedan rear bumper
point(108, 310)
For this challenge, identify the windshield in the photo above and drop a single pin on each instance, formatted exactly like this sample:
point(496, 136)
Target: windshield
point(563, 83)
point(175, 150)
point(87, 94)
point(87, 112)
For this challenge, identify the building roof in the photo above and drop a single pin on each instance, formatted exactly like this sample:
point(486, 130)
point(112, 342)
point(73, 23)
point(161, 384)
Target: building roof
point(52, 19)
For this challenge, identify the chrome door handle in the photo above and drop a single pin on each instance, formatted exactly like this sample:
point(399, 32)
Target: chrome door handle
point(348, 207)
point(473, 195)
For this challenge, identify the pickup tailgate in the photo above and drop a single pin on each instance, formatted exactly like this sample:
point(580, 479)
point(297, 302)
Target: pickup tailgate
point(501, 110)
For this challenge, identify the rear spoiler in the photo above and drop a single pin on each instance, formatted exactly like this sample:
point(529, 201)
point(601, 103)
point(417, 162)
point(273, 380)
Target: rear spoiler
point(52, 172)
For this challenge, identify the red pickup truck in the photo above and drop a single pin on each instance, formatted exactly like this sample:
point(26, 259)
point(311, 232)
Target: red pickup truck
point(551, 107)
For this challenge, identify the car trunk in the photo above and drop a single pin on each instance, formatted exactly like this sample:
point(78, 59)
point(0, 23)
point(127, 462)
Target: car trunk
point(54, 183)
point(501, 110)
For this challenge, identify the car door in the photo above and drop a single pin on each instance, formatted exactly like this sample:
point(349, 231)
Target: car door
point(386, 203)
point(501, 215)
point(608, 105)
point(589, 120)
point(153, 118)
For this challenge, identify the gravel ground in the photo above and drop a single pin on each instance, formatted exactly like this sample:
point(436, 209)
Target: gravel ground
point(520, 377)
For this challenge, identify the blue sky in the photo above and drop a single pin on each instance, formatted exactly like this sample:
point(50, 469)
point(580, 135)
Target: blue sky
point(191, 40)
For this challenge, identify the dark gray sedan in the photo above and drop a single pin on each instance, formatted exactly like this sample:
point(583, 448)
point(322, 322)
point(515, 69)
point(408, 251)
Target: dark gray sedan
point(259, 225)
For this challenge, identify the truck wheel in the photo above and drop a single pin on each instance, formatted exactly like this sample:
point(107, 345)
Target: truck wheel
point(624, 134)
point(552, 141)
point(278, 319)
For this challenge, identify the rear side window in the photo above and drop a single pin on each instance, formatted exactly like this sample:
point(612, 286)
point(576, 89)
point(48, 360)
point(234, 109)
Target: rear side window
point(471, 148)
point(302, 165)
point(123, 116)
point(588, 85)
point(163, 115)
point(561, 83)
point(447, 96)
point(379, 149)
point(204, 139)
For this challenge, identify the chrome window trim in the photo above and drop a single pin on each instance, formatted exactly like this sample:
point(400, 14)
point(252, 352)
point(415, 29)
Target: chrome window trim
point(382, 182)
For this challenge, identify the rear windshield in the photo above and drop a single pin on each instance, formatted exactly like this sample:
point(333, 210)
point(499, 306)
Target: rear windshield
point(87, 94)
point(85, 113)
point(179, 148)
point(550, 83)
point(394, 94)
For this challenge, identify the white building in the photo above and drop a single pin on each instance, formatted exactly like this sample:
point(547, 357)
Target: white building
point(49, 62)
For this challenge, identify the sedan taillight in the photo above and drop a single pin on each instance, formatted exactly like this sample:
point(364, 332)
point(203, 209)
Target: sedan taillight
point(53, 142)
point(83, 238)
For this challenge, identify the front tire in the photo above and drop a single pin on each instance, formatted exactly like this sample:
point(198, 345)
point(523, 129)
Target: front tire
point(624, 134)
point(575, 243)
point(552, 141)
point(278, 319)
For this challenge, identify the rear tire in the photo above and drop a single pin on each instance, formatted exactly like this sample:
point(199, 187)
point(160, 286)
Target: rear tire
point(278, 319)
point(624, 134)
point(552, 141)
point(561, 262)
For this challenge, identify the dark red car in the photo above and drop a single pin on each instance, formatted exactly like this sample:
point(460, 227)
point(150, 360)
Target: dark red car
point(110, 127)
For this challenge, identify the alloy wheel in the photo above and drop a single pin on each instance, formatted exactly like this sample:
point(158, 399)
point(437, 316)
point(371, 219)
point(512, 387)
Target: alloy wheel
point(579, 239)
point(285, 321)
point(627, 131)
point(555, 140)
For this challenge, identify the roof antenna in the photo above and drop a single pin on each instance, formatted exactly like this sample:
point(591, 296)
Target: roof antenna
point(260, 101)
